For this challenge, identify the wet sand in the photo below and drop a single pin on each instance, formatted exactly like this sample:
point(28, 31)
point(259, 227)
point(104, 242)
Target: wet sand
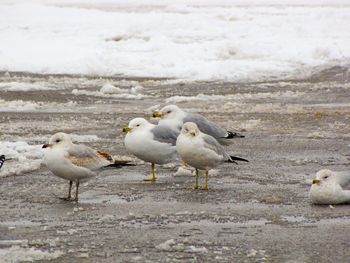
point(254, 212)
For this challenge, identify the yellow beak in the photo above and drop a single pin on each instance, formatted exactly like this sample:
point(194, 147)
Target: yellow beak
point(127, 129)
point(157, 114)
point(193, 134)
point(316, 181)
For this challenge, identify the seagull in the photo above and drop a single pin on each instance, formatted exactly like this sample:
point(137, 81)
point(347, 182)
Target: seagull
point(74, 162)
point(201, 151)
point(2, 160)
point(330, 188)
point(151, 143)
point(175, 117)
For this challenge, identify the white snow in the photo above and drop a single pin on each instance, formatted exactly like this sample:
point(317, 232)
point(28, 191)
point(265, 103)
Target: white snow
point(19, 254)
point(21, 86)
point(237, 96)
point(192, 40)
point(109, 90)
point(24, 157)
point(30, 106)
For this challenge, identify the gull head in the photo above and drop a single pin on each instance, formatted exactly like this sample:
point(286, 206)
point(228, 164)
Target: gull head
point(167, 112)
point(324, 176)
point(135, 124)
point(58, 139)
point(190, 129)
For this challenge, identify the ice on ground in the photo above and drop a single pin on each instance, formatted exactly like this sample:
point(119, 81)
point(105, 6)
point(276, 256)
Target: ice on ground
point(167, 245)
point(21, 150)
point(84, 138)
point(23, 158)
point(194, 249)
point(108, 90)
point(22, 86)
point(182, 171)
point(192, 40)
point(19, 254)
point(237, 96)
point(263, 108)
point(30, 106)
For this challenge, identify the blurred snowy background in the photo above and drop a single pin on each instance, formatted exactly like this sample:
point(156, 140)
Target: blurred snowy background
point(185, 39)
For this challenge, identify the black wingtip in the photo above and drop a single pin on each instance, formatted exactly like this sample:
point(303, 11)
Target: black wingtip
point(232, 135)
point(120, 164)
point(233, 159)
point(2, 160)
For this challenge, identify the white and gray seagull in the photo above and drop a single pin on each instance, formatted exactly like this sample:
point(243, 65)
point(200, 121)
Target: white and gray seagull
point(74, 162)
point(151, 143)
point(330, 188)
point(175, 117)
point(201, 151)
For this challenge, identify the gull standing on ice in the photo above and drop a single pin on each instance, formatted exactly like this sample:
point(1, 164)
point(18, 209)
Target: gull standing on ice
point(201, 151)
point(175, 117)
point(330, 188)
point(151, 143)
point(73, 162)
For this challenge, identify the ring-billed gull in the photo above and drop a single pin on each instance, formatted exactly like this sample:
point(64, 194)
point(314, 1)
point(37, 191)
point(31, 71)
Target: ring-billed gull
point(201, 151)
point(2, 160)
point(175, 117)
point(151, 143)
point(329, 188)
point(73, 162)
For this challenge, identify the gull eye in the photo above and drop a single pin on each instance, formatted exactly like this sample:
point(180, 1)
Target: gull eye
point(169, 111)
point(326, 177)
point(58, 140)
point(137, 125)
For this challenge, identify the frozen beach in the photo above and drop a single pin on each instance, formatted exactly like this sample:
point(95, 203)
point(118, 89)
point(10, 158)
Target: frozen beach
point(277, 72)
point(255, 212)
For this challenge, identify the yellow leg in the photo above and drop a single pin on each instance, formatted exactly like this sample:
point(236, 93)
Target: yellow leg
point(197, 179)
point(153, 178)
point(206, 180)
point(76, 191)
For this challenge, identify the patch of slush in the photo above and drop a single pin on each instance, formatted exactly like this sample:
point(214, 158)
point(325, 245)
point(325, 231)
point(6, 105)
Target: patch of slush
point(263, 108)
point(95, 197)
point(237, 96)
point(31, 106)
point(190, 171)
point(84, 138)
point(15, 254)
point(111, 91)
point(22, 86)
point(24, 157)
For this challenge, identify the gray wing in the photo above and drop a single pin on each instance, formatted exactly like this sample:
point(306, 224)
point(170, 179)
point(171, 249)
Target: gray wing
point(344, 179)
point(84, 156)
point(212, 144)
point(164, 134)
point(206, 126)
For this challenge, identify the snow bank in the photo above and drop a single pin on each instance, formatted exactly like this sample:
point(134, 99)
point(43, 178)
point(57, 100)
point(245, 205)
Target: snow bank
point(192, 40)
point(24, 158)
point(29, 106)
point(21, 86)
point(108, 90)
